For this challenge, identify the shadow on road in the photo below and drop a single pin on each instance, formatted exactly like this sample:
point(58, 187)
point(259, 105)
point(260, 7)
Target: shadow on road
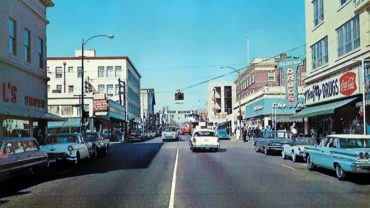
point(359, 179)
point(119, 157)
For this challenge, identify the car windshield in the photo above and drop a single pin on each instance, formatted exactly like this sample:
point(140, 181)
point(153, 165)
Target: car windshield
point(169, 129)
point(304, 141)
point(204, 134)
point(91, 137)
point(354, 143)
point(61, 139)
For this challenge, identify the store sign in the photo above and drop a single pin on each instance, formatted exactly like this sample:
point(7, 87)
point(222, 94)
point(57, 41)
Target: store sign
point(257, 107)
point(296, 106)
point(290, 68)
point(8, 92)
point(181, 112)
point(100, 105)
point(291, 86)
point(340, 86)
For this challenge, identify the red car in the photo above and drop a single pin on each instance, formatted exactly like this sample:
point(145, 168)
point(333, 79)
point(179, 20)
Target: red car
point(186, 129)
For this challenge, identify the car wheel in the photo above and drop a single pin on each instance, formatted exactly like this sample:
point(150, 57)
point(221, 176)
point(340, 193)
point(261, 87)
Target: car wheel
point(266, 151)
point(283, 154)
point(294, 157)
point(310, 165)
point(341, 175)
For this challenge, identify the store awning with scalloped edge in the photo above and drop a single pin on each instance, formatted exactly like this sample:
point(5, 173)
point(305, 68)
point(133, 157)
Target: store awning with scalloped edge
point(27, 114)
point(321, 109)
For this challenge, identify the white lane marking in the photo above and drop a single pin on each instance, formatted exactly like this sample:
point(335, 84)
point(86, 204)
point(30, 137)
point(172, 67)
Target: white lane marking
point(286, 166)
point(173, 187)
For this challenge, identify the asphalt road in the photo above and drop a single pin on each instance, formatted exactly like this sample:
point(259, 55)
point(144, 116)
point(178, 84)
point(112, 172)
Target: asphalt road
point(141, 175)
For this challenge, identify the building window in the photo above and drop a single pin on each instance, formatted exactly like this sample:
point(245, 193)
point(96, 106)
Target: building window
point(320, 53)
point(79, 72)
point(348, 36)
point(110, 71)
point(27, 45)
point(40, 53)
point(271, 76)
point(343, 1)
point(70, 69)
point(101, 88)
point(100, 71)
point(66, 110)
point(70, 88)
point(318, 6)
point(58, 72)
point(118, 71)
point(117, 89)
point(110, 90)
point(59, 89)
point(12, 37)
point(54, 109)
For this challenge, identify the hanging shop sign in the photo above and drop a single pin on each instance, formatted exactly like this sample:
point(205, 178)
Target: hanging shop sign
point(290, 68)
point(100, 105)
point(188, 112)
point(340, 86)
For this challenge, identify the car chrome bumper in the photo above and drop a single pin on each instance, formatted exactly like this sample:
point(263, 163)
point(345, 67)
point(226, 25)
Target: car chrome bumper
point(275, 148)
point(360, 167)
point(53, 157)
point(206, 146)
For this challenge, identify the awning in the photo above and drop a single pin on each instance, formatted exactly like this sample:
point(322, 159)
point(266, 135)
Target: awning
point(20, 113)
point(69, 123)
point(321, 109)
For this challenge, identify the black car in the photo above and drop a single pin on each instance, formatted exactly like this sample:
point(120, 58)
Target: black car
point(20, 155)
point(99, 144)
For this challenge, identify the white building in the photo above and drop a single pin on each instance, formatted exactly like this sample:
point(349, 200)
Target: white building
point(338, 50)
point(23, 79)
point(102, 72)
point(219, 101)
point(147, 106)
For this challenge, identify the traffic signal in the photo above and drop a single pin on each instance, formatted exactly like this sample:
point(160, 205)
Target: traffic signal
point(179, 96)
point(88, 87)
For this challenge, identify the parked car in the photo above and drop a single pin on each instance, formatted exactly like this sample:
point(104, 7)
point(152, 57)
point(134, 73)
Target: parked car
point(204, 139)
point(222, 133)
point(20, 155)
point(343, 153)
point(69, 147)
point(271, 141)
point(169, 133)
point(153, 133)
point(98, 143)
point(137, 134)
point(296, 148)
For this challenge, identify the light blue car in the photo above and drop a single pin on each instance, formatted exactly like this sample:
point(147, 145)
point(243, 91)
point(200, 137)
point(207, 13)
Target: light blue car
point(342, 153)
point(222, 134)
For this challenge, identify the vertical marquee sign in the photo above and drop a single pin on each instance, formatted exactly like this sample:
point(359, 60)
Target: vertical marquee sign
point(290, 72)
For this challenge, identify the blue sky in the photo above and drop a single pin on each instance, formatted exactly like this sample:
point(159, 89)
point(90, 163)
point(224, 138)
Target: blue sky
point(178, 43)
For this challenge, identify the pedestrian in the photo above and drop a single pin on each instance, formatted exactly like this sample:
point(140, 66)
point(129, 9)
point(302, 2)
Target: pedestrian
point(245, 133)
point(293, 131)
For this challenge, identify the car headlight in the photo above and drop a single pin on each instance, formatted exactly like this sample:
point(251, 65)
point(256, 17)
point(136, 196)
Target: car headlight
point(361, 155)
point(70, 148)
point(366, 155)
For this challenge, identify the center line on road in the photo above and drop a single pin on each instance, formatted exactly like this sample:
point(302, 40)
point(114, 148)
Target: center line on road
point(286, 166)
point(173, 187)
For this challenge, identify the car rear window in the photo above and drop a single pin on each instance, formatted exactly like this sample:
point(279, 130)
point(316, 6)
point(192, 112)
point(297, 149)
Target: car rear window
point(204, 133)
point(167, 129)
point(30, 145)
point(353, 143)
point(61, 139)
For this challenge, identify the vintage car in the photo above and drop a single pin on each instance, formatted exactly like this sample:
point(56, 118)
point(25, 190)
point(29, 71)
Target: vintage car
point(69, 147)
point(99, 144)
point(296, 148)
point(222, 133)
point(343, 153)
point(204, 139)
point(20, 155)
point(271, 141)
point(169, 133)
point(186, 129)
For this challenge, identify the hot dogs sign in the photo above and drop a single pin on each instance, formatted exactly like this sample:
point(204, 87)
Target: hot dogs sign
point(343, 85)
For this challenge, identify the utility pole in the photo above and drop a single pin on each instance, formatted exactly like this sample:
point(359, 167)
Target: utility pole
point(122, 91)
point(64, 64)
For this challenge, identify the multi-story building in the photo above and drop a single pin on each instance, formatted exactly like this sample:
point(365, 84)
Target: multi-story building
point(23, 79)
point(270, 91)
point(338, 49)
point(219, 101)
point(148, 115)
point(102, 74)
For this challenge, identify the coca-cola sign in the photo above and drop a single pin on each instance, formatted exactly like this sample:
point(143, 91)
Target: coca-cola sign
point(339, 86)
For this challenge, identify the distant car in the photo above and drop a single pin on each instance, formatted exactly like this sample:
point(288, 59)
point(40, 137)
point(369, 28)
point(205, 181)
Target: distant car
point(222, 133)
point(204, 139)
point(20, 155)
point(169, 133)
point(271, 141)
point(343, 153)
point(99, 144)
point(296, 148)
point(69, 147)
point(186, 129)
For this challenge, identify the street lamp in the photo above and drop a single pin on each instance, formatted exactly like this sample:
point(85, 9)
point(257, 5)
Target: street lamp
point(240, 111)
point(82, 74)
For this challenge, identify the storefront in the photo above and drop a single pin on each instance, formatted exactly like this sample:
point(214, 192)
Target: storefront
point(273, 112)
point(23, 103)
point(334, 105)
point(109, 116)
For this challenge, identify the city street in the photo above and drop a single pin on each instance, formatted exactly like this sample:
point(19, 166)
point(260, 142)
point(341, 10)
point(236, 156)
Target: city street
point(141, 175)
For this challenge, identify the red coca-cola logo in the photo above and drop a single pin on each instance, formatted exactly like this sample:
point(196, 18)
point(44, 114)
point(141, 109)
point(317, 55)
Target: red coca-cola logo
point(348, 83)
